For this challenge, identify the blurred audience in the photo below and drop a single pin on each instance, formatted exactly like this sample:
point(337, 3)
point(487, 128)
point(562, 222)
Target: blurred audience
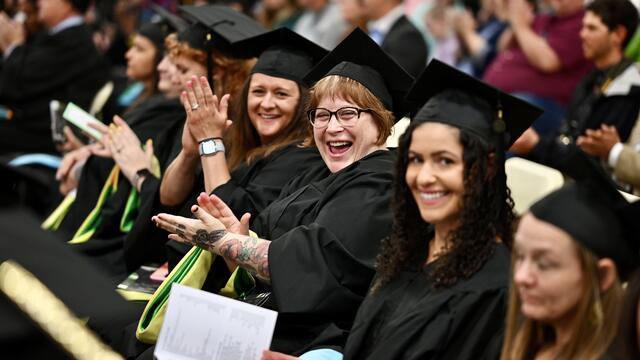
point(62, 64)
point(541, 60)
point(398, 37)
point(321, 22)
point(274, 14)
point(608, 98)
point(479, 35)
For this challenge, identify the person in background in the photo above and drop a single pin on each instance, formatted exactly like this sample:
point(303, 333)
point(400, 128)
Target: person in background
point(541, 60)
point(608, 97)
point(321, 22)
point(479, 35)
point(389, 27)
point(63, 65)
point(566, 293)
point(274, 14)
point(439, 22)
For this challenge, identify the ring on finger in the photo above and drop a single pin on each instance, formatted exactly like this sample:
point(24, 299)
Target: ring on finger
point(195, 107)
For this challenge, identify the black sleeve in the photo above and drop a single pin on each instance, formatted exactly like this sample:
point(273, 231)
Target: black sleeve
point(265, 186)
point(326, 267)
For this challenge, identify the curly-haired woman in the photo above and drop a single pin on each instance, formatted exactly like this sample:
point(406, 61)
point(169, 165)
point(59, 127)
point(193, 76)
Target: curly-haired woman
point(442, 275)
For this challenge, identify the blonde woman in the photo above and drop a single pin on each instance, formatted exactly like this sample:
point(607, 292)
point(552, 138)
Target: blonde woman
point(571, 252)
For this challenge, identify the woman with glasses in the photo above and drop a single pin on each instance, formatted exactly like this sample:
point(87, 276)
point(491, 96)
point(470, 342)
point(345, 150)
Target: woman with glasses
point(316, 243)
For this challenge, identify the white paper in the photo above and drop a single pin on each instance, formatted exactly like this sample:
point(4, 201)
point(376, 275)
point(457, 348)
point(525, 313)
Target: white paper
point(202, 325)
point(80, 118)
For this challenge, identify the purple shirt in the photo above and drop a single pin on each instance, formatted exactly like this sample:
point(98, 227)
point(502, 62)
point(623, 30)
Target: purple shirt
point(511, 71)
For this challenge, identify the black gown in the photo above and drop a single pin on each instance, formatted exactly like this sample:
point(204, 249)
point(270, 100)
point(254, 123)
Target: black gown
point(65, 66)
point(157, 118)
point(252, 187)
point(325, 230)
point(325, 237)
point(408, 319)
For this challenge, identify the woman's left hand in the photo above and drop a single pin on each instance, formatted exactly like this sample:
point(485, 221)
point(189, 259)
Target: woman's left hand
point(204, 231)
point(126, 150)
point(206, 116)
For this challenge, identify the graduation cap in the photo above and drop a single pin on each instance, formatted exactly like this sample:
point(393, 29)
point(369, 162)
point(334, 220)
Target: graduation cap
point(216, 27)
point(34, 322)
point(594, 213)
point(444, 94)
point(219, 26)
point(282, 53)
point(162, 24)
point(358, 57)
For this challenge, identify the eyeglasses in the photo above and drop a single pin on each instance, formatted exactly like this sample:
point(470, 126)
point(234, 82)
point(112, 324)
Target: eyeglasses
point(347, 116)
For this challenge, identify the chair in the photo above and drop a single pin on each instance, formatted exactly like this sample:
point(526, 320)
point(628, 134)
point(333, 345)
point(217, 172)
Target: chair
point(530, 181)
point(396, 132)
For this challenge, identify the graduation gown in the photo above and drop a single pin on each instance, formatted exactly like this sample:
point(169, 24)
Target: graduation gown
point(65, 66)
point(157, 118)
point(324, 239)
point(252, 187)
point(409, 319)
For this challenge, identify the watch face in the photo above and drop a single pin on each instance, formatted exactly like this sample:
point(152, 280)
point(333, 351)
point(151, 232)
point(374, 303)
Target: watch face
point(209, 147)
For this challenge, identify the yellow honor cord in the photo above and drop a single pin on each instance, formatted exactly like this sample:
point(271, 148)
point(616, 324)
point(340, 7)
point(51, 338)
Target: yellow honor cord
point(51, 314)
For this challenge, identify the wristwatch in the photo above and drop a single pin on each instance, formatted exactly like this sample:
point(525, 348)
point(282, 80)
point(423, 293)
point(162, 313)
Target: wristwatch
point(211, 146)
point(141, 175)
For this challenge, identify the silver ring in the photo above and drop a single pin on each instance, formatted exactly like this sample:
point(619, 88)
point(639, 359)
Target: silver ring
point(195, 107)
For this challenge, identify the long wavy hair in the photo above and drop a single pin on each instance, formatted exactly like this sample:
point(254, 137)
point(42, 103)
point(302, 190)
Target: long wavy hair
point(243, 141)
point(486, 215)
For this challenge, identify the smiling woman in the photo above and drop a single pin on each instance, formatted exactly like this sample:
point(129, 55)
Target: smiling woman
point(318, 239)
point(442, 274)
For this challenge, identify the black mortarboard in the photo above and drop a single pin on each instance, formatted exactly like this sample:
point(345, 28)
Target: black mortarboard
point(219, 25)
point(85, 291)
point(162, 24)
point(358, 57)
point(282, 53)
point(594, 213)
point(441, 93)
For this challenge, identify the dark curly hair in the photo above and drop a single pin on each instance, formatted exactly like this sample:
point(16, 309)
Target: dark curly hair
point(486, 215)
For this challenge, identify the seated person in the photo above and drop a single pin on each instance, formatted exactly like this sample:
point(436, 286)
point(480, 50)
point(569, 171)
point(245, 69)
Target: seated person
point(566, 291)
point(63, 65)
point(318, 242)
point(540, 58)
point(609, 95)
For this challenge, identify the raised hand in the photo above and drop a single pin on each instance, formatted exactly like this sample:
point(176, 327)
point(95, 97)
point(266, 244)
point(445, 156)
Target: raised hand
point(206, 115)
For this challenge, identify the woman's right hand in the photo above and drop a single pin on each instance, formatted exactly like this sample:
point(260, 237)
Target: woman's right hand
point(206, 115)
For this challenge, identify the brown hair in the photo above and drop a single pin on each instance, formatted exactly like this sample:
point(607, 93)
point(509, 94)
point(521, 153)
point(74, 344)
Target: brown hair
point(335, 86)
point(243, 141)
point(234, 71)
point(594, 324)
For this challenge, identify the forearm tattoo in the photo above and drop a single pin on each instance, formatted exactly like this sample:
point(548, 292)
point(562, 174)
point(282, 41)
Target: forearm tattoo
point(250, 253)
point(206, 240)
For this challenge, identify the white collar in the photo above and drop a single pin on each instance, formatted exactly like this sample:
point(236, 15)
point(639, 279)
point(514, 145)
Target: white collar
point(384, 24)
point(622, 84)
point(71, 21)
